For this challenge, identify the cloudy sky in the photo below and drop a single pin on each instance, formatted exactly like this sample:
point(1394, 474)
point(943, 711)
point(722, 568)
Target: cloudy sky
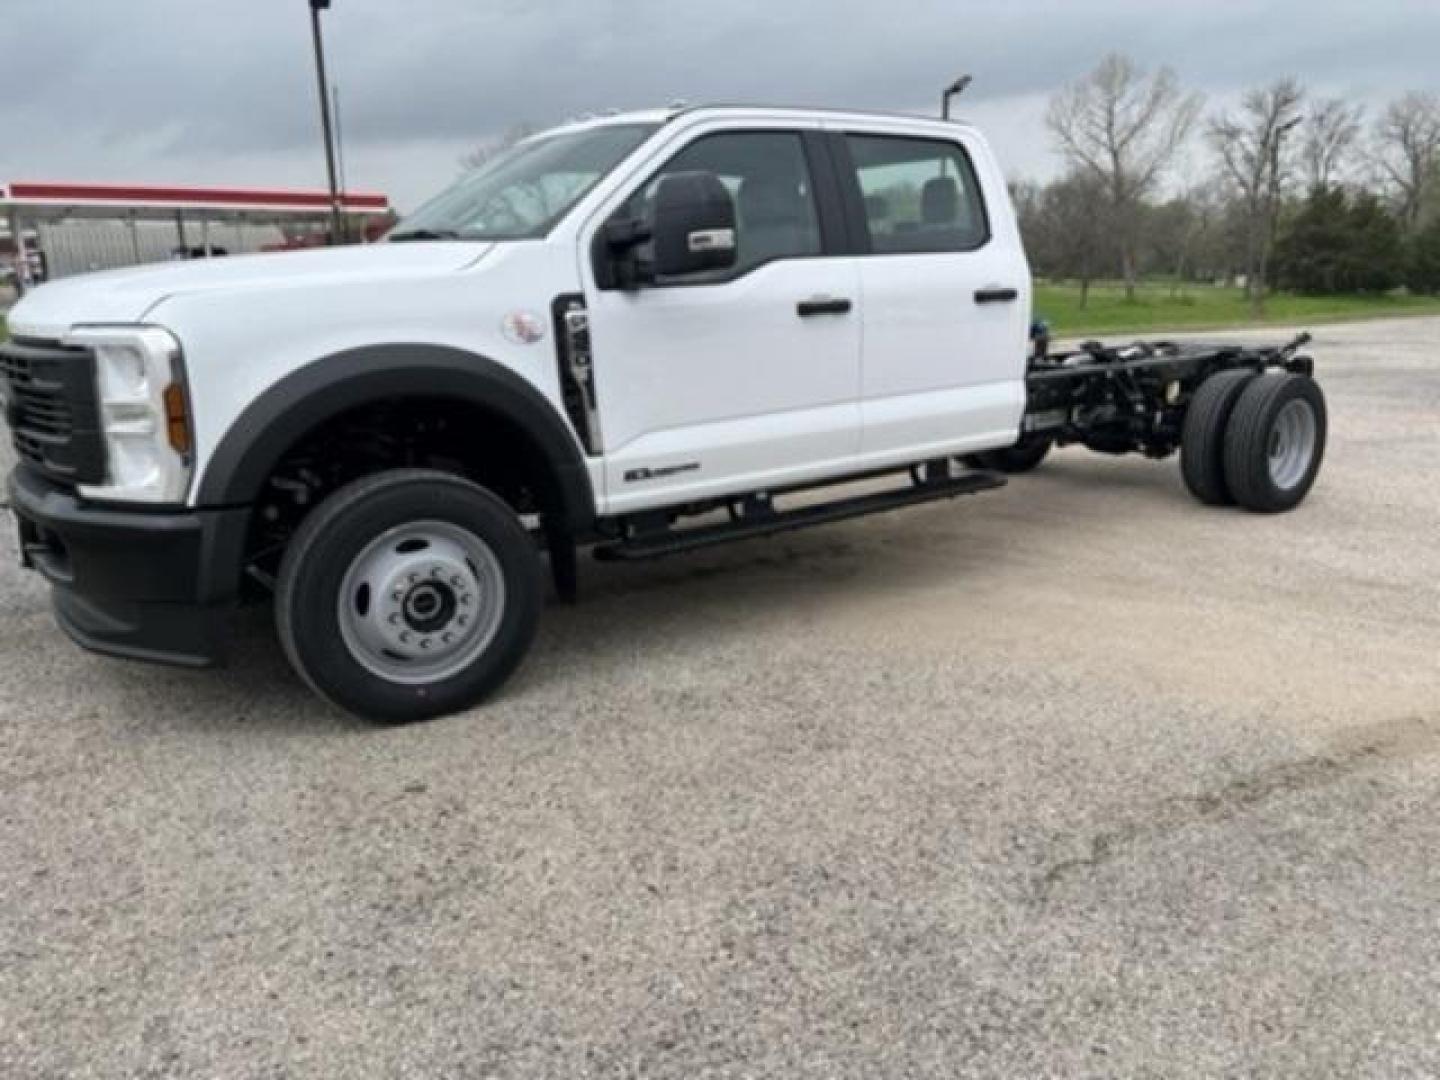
point(223, 91)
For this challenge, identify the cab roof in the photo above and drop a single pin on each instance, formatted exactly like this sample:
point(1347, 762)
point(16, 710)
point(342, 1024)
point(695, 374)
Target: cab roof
point(779, 112)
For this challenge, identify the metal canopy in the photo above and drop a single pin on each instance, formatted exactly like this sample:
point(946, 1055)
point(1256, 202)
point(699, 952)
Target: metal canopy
point(53, 202)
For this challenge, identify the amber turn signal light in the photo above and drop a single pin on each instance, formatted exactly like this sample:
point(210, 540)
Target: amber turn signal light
point(177, 418)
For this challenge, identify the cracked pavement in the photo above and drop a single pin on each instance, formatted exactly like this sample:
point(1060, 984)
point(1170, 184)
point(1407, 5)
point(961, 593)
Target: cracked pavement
point(1074, 779)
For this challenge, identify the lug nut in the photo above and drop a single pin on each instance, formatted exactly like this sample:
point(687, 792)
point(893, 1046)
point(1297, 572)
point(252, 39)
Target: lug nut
point(424, 643)
point(447, 638)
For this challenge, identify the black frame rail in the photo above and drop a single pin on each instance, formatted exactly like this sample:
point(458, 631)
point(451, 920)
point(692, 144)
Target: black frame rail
point(1133, 398)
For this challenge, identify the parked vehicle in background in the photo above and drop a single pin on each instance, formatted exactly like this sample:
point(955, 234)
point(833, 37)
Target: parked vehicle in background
point(610, 331)
point(199, 252)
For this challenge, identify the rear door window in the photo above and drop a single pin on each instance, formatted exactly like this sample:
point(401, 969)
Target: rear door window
point(920, 195)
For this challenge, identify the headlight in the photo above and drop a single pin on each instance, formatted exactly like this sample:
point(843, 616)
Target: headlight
point(144, 413)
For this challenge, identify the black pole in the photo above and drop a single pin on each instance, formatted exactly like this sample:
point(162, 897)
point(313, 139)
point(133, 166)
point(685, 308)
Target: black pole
point(340, 145)
point(1272, 209)
point(954, 90)
point(337, 227)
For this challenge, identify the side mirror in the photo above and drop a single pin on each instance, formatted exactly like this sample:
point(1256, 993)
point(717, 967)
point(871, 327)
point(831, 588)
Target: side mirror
point(694, 225)
point(616, 253)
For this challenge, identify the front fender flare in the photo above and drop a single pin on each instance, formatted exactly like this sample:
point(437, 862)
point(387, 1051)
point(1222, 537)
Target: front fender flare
point(254, 444)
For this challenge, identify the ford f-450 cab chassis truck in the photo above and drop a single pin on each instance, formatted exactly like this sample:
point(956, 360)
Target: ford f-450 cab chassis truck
point(642, 334)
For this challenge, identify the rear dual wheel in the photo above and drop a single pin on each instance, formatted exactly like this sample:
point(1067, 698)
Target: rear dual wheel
point(1275, 443)
point(1254, 440)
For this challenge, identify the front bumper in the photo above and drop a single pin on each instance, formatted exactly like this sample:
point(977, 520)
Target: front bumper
point(148, 585)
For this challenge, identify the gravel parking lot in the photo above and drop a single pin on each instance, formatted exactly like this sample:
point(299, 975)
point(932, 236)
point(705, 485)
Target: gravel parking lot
point(1074, 779)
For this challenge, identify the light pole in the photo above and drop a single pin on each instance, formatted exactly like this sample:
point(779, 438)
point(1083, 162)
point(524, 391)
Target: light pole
point(953, 91)
point(1272, 212)
point(337, 221)
point(339, 142)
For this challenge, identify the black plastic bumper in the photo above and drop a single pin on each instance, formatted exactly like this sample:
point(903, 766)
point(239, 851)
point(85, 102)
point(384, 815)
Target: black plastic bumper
point(149, 585)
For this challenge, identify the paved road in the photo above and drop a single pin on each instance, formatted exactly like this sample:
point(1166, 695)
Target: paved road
point(1074, 779)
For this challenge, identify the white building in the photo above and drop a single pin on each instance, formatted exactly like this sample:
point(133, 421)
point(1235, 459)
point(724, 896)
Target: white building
point(76, 228)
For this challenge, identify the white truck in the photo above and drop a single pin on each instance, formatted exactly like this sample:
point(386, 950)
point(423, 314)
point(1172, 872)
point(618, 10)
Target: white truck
point(617, 328)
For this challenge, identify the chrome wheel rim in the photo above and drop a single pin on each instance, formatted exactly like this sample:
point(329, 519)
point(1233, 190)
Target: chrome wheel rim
point(1292, 443)
point(421, 602)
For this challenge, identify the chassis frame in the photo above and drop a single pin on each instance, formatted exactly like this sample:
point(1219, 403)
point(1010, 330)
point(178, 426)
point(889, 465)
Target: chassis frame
point(1134, 398)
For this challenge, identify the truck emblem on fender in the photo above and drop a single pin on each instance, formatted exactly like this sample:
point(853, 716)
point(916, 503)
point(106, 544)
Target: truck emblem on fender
point(636, 475)
point(522, 328)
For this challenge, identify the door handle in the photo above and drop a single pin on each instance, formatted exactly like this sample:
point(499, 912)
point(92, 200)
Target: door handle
point(996, 294)
point(823, 305)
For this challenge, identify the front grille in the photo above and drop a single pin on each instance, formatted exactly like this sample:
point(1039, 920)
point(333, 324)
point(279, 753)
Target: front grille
point(51, 409)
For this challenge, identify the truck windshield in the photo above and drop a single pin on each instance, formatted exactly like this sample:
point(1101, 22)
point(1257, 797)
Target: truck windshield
point(524, 191)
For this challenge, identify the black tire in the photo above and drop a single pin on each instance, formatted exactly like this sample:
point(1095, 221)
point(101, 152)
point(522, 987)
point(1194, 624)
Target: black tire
point(350, 522)
point(1023, 457)
point(1202, 440)
point(1276, 442)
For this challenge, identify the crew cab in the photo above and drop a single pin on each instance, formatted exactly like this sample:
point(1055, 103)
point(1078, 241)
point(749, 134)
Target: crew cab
point(639, 334)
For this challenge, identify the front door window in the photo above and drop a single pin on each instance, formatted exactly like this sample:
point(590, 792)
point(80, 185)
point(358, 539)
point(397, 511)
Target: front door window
point(767, 176)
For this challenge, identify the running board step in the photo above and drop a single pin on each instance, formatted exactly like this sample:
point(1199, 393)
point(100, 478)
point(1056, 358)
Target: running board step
point(660, 544)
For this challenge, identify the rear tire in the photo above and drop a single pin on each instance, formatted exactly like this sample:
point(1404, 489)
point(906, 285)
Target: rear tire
point(408, 595)
point(1202, 440)
point(1276, 442)
point(1025, 456)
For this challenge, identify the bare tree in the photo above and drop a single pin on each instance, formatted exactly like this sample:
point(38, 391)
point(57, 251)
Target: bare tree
point(1066, 228)
point(1123, 129)
point(493, 148)
point(1206, 243)
point(1408, 135)
point(1181, 229)
point(1250, 146)
point(1025, 196)
point(1331, 132)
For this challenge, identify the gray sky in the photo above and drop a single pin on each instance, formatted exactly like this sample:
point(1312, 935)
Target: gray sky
point(223, 91)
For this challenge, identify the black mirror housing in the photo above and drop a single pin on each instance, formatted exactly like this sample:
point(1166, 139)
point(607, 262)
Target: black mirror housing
point(694, 229)
point(616, 253)
point(623, 234)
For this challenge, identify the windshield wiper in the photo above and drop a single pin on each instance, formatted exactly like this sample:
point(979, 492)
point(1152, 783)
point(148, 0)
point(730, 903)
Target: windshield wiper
point(424, 234)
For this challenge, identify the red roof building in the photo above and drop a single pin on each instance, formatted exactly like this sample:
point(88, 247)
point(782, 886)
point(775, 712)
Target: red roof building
point(71, 228)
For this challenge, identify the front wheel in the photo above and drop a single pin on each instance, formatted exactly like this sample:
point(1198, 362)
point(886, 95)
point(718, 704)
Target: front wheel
point(408, 595)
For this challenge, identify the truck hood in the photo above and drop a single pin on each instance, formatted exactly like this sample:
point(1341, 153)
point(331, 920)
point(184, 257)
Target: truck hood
point(124, 296)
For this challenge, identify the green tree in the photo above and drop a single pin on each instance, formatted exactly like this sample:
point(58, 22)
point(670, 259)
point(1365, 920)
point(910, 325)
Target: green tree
point(1378, 246)
point(1422, 271)
point(1339, 244)
point(1311, 255)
